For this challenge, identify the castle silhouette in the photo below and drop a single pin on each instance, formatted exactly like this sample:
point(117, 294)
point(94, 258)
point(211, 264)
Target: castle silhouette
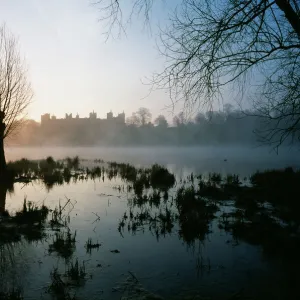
point(52, 121)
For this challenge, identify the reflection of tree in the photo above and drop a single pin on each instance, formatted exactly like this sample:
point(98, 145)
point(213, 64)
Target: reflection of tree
point(3, 190)
point(192, 213)
point(13, 267)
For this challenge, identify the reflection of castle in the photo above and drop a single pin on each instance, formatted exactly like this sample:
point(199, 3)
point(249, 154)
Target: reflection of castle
point(110, 120)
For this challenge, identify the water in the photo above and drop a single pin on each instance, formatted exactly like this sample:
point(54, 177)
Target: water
point(166, 266)
point(240, 160)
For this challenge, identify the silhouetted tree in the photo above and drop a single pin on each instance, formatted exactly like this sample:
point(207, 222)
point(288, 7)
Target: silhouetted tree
point(161, 121)
point(134, 119)
point(200, 118)
point(145, 115)
point(140, 118)
point(179, 120)
point(15, 90)
point(212, 44)
point(228, 109)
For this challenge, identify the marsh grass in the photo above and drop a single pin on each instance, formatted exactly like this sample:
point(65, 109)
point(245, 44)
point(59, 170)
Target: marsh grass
point(29, 222)
point(58, 218)
point(76, 271)
point(23, 168)
point(72, 163)
point(13, 294)
point(161, 178)
point(64, 244)
point(192, 206)
point(31, 214)
point(154, 198)
point(58, 288)
point(50, 171)
point(90, 245)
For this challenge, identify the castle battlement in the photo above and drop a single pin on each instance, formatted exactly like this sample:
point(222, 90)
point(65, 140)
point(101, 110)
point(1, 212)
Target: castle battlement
point(48, 120)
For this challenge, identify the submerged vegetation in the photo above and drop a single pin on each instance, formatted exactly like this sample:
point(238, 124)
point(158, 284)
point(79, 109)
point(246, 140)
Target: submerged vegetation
point(58, 288)
point(264, 213)
point(64, 244)
point(261, 210)
point(90, 245)
point(14, 294)
point(29, 223)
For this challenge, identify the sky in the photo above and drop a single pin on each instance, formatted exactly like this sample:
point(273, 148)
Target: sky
point(71, 66)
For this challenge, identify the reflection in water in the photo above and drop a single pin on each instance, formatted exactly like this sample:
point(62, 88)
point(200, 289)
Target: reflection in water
point(3, 191)
point(166, 226)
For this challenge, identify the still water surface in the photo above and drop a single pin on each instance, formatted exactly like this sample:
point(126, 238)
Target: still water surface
point(166, 266)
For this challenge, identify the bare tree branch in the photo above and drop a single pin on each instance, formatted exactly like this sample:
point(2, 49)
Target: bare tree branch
point(213, 44)
point(15, 90)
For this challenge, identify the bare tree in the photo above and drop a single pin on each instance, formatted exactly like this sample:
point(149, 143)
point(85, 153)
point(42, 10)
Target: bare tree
point(217, 43)
point(15, 90)
point(140, 117)
point(180, 119)
point(113, 15)
point(134, 119)
point(161, 121)
point(200, 118)
point(145, 115)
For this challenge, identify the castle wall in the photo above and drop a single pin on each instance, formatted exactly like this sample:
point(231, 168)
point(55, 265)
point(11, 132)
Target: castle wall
point(93, 126)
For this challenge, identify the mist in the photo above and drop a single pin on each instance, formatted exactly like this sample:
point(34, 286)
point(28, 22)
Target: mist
point(242, 160)
point(213, 128)
point(149, 149)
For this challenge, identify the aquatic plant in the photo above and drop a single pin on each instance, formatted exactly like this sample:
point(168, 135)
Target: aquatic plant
point(154, 198)
point(64, 244)
point(23, 168)
point(101, 161)
point(67, 175)
point(232, 180)
point(140, 200)
point(72, 163)
point(127, 172)
point(160, 177)
point(31, 213)
point(186, 196)
point(278, 186)
point(215, 178)
point(48, 165)
point(13, 294)
point(58, 218)
point(50, 171)
point(90, 245)
point(29, 222)
point(76, 271)
point(138, 187)
point(58, 288)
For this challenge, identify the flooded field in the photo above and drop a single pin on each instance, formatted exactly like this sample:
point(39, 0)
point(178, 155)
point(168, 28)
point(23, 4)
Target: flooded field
point(138, 231)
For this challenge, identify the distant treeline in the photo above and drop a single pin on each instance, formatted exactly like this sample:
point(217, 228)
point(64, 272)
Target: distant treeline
point(226, 127)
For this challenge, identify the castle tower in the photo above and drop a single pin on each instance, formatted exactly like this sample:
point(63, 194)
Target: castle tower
point(109, 115)
point(45, 118)
point(121, 118)
point(93, 115)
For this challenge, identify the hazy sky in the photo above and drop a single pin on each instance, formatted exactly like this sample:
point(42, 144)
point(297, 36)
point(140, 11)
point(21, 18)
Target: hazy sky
point(73, 69)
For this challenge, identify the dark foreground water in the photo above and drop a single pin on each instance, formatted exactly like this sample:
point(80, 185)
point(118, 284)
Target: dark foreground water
point(168, 263)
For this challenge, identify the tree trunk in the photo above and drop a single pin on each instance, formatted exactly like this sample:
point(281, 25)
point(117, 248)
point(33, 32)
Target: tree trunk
point(2, 154)
point(290, 14)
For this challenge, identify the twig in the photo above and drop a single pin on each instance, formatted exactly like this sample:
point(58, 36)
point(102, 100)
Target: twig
point(133, 276)
point(98, 218)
